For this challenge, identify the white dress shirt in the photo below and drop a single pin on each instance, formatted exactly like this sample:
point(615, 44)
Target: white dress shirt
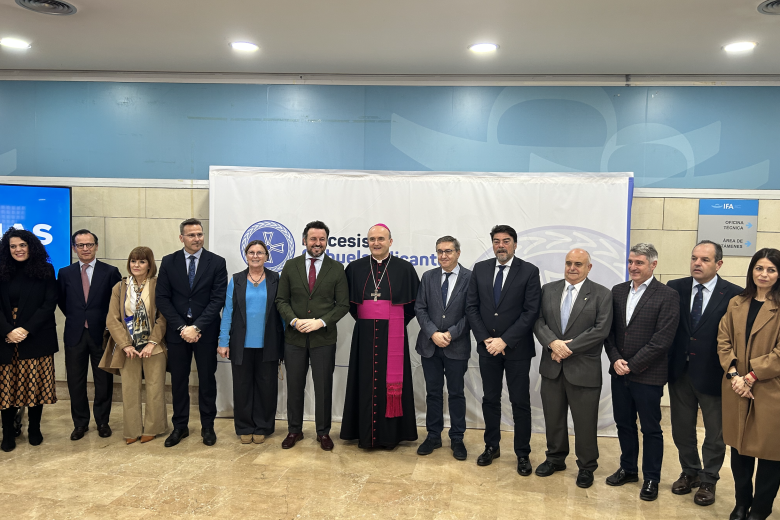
point(90, 269)
point(634, 296)
point(187, 259)
point(317, 264)
point(574, 292)
point(507, 265)
point(706, 292)
point(453, 279)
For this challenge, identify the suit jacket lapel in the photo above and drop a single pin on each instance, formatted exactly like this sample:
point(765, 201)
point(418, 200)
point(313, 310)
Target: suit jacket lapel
point(579, 303)
point(270, 292)
point(554, 300)
point(717, 295)
point(651, 288)
point(459, 285)
point(97, 277)
point(622, 297)
point(203, 265)
point(324, 268)
point(686, 305)
point(239, 289)
point(303, 273)
point(765, 314)
point(508, 278)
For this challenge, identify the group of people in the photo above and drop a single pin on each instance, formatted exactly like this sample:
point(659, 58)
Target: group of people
point(716, 344)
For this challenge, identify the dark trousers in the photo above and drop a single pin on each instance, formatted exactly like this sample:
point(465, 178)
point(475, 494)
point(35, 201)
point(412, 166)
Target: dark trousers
point(492, 368)
point(255, 389)
point(685, 402)
point(630, 399)
point(435, 369)
point(558, 395)
point(767, 482)
point(180, 365)
point(77, 361)
point(323, 363)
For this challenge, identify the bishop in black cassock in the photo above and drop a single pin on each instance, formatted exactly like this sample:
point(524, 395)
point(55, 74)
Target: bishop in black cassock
point(379, 403)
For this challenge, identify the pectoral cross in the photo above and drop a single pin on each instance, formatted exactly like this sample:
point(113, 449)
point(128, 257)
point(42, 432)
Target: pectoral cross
point(376, 294)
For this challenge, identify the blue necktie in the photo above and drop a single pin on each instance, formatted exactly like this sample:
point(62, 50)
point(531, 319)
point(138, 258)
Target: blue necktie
point(445, 288)
point(498, 283)
point(698, 303)
point(566, 309)
point(191, 276)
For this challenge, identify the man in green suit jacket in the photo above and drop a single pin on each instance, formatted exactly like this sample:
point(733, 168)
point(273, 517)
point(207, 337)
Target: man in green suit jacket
point(312, 297)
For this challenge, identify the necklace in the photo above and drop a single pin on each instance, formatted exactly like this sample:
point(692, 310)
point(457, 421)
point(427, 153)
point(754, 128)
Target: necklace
point(376, 294)
point(256, 283)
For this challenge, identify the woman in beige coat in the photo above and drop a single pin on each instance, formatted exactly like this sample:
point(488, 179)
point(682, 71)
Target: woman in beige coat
point(749, 350)
point(138, 331)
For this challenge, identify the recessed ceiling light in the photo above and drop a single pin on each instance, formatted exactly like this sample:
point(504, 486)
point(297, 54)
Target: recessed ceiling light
point(740, 47)
point(483, 47)
point(244, 46)
point(14, 43)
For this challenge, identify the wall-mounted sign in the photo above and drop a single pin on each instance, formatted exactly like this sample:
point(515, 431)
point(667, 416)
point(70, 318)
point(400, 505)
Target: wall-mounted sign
point(732, 223)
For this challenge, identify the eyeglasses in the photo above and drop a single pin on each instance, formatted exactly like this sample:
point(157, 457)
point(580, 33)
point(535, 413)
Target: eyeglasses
point(252, 253)
point(444, 252)
point(89, 245)
point(194, 235)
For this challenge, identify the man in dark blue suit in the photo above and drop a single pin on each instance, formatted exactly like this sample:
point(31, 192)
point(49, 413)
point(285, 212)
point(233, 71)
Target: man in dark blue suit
point(502, 306)
point(695, 373)
point(191, 290)
point(85, 293)
point(444, 345)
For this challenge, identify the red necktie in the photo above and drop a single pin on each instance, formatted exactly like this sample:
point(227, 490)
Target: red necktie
point(312, 275)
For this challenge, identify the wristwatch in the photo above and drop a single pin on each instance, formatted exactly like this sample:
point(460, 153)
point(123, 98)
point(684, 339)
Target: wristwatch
point(196, 329)
point(729, 375)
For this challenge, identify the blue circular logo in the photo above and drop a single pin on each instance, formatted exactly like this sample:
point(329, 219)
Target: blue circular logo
point(278, 239)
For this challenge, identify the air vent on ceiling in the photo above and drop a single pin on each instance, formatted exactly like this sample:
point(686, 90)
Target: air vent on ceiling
point(47, 6)
point(769, 7)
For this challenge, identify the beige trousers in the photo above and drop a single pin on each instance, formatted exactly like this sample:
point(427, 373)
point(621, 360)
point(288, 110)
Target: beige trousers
point(156, 420)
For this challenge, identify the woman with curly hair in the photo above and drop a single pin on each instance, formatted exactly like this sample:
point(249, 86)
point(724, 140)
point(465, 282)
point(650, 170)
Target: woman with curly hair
point(28, 297)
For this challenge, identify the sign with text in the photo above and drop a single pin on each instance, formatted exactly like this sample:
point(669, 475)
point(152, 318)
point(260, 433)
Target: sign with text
point(732, 223)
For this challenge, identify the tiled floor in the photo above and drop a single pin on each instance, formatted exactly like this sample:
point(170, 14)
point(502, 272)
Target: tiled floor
point(104, 478)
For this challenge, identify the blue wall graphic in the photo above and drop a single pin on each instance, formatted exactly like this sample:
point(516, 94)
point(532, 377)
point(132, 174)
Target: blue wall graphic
point(670, 137)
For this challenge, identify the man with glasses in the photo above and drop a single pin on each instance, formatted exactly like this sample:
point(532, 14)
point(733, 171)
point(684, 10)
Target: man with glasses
point(444, 345)
point(84, 295)
point(191, 288)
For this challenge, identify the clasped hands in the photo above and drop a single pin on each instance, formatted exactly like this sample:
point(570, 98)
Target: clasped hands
point(146, 352)
point(189, 334)
point(621, 367)
point(306, 326)
point(442, 339)
point(560, 350)
point(495, 346)
point(16, 336)
point(741, 387)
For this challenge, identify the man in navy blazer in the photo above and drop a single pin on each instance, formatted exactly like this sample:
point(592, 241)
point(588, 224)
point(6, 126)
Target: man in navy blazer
point(444, 344)
point(695, 373)
point(191, 288)
point(502, 306)
point(84, 296)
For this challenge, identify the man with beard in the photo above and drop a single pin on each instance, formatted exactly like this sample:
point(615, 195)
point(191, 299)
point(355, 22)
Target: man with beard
point(312, 297)
point(379, 403)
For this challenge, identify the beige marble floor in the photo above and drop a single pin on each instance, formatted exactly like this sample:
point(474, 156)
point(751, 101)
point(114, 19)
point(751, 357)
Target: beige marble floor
point(104, 478)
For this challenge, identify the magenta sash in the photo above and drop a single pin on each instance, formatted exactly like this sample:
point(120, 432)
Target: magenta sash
point(394, 314)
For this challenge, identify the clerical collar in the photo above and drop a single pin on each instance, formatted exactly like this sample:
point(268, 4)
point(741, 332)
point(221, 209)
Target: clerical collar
point(380, 261)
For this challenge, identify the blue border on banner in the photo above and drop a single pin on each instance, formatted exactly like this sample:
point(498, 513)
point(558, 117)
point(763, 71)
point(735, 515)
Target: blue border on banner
point(628, 219)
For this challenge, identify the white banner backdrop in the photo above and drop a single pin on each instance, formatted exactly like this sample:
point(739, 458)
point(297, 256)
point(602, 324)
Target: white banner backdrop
point(552, 214)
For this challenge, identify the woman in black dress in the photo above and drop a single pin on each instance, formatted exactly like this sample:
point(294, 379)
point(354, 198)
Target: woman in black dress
point(28, 297)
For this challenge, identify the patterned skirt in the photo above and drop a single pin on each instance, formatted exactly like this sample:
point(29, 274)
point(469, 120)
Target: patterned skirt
point(27, 382)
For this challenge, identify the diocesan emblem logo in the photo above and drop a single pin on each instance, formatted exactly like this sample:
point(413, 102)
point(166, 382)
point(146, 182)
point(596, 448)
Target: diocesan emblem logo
point(278, 239)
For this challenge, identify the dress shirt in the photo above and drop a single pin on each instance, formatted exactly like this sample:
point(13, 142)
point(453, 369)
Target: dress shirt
point(90, 269)
point(317, 264)
point(507, 265)
point(453, 279)
point(187, 260)
point(634, 296)
point(574, 293)
point(706, 293)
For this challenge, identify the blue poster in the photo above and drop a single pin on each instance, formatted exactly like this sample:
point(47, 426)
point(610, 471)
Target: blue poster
point(43, 210)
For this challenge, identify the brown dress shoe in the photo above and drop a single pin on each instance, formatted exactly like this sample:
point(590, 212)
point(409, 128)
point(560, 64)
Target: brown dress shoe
point(325, 442)
point(683, 485)
point(705, 496)
point(291, 439)
point(130, 441)
point(147, 438)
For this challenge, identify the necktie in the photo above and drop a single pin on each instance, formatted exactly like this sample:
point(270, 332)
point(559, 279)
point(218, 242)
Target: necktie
point(566, 308)
point(445, 288)
point(498, 283)
point(312, 275)
point(698, 303)
point(85, 287)
point(191, 277)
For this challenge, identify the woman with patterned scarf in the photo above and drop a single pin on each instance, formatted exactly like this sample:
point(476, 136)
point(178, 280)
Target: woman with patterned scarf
point(137, 346)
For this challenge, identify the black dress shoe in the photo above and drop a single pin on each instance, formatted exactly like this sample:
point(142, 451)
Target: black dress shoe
point(649, 491)
point(547, 468)
point(620, 477)
point(458, 450)
point(756, 516)
point(176, 436)
point(684, 484)
point(705, 496)
point(428, 445)
point(488, 455)
point(104, 430)
point(585, 478)
point(78, 432)
point(209, 436)
point(739, 513)
point(524, 466)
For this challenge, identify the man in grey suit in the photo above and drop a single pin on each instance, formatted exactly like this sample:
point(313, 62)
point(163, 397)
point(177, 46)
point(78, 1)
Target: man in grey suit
point(576, 319)
point(444, 344)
